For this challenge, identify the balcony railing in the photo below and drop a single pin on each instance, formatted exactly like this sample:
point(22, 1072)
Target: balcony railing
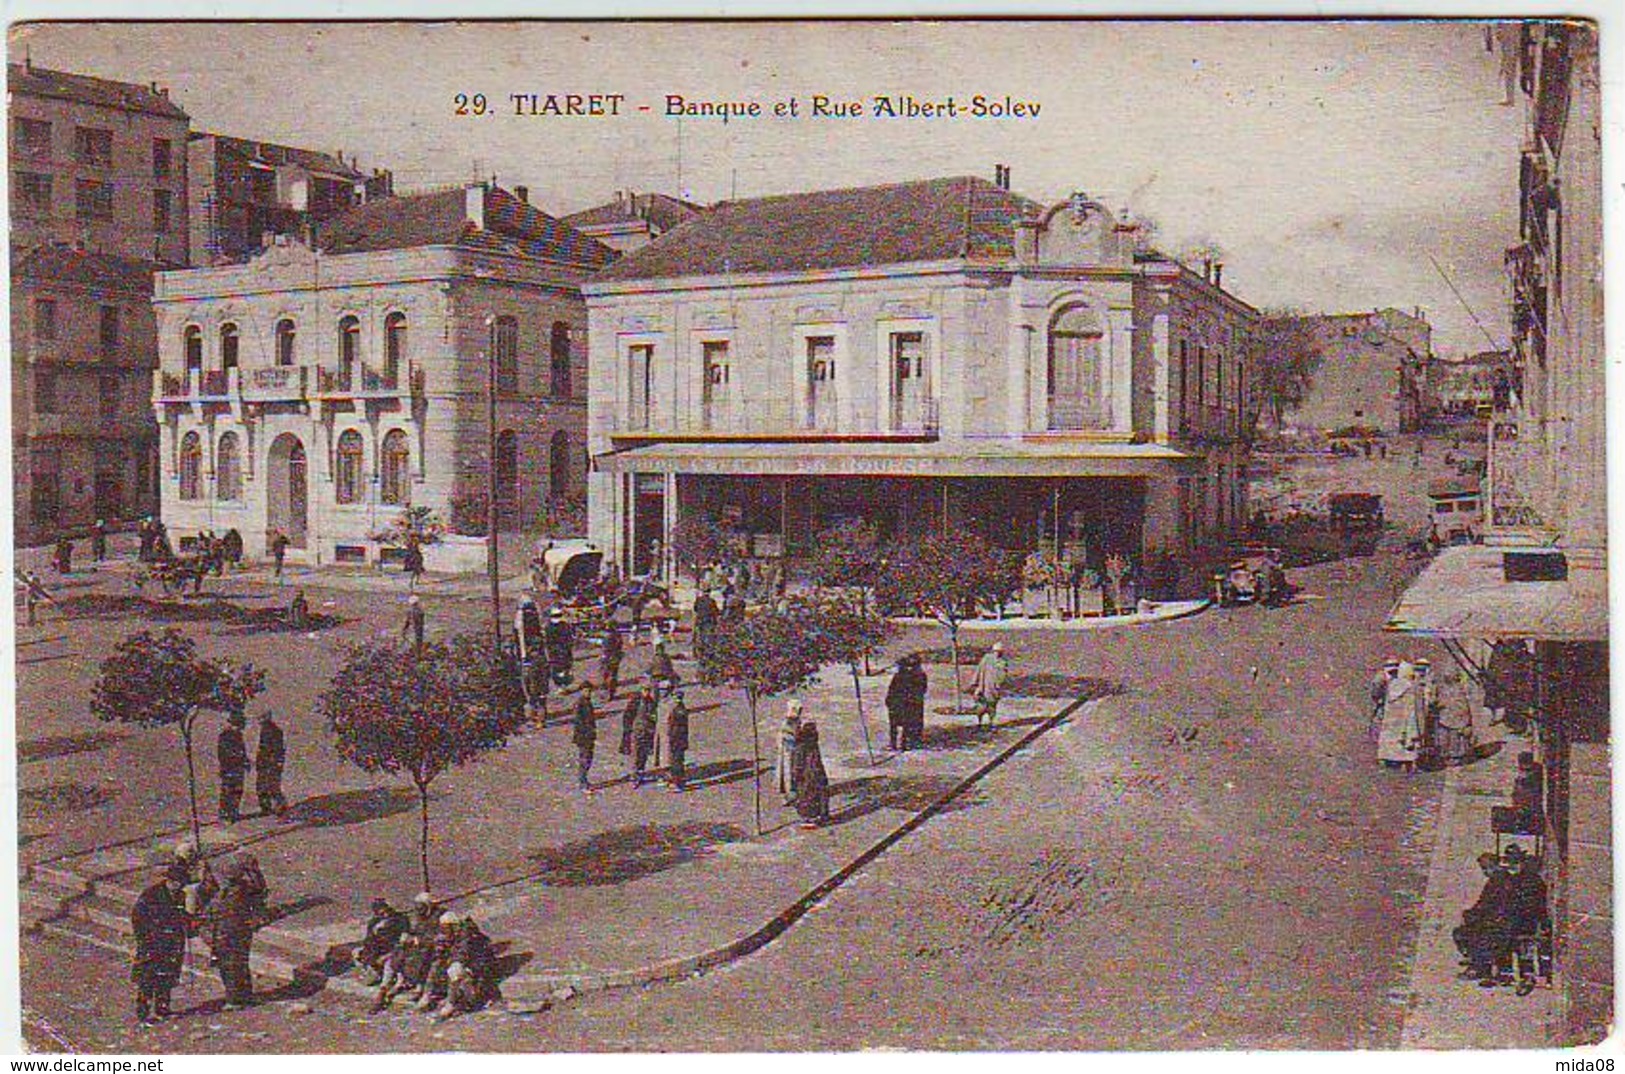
point(276, 383)
point(363, 381)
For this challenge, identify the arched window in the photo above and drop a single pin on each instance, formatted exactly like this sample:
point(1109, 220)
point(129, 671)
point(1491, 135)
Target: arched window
point(1076, 398)
point(347, 476)
point(507, 471)
point(505, 351)
point(285, 336)
point(349, 351)
point(228, 346)
point(559, 366)
point(395, 485)
point(228, 469)
point(394, 348)
point(192, 342)
point(191, 467)
point(558, 465)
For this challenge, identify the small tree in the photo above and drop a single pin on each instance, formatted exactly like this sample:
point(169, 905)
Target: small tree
point(419, 524)
point(699, 540)
point(765, 654)
point(849, 633)
point(845, 556)
point(400, 714)
point(946, 577)
point(158, 680)
point(1284, 359)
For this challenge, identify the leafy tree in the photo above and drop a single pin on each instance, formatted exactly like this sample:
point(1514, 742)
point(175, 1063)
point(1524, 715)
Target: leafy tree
point(845, 556)
point(394, 712)
point(699, 540)
point(848, 633)
point(158, 680)
point(766, 654)
point(1284, 361)
point(947, 577)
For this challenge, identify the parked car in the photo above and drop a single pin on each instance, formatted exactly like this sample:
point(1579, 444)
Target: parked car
point(1256, 578)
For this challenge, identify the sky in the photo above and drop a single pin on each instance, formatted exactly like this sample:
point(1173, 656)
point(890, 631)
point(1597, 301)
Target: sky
point(1327, 161)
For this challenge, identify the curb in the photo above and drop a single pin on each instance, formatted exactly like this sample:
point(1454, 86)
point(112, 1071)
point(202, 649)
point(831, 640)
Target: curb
point(1088, 623)
point(564, 987)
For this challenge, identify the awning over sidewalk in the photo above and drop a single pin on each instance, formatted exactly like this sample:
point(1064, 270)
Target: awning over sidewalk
point(1000, 458)
point(1464, 594)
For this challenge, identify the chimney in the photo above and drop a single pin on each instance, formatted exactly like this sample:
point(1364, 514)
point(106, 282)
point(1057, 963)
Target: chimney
point(1207, 269)
point(1218, 274)
point(522, 193)
point(474, 205)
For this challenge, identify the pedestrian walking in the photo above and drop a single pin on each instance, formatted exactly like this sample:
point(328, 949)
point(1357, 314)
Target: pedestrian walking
point(98, 540)
point(232, 753)
point(270, 758)
point(412, 560)
point(706, 615)
point(811, 780)
point(231, 547)
point(1399, 739)
point(677, 742)
point(662, 672)
point(160, 924)
point(162, 550)
point(643, 697)
point(644, 734)
point(279, 549)
point(560, 641)
point(234, 914)
point(785, 769)
point(609, 661)
point(412, 630)
point(528, 636)
point(584, 733)
point(63, 555)
point(905, 704)
point(992, 673)
point(143, 535)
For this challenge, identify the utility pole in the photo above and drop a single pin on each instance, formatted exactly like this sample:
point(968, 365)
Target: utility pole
point(491, 482)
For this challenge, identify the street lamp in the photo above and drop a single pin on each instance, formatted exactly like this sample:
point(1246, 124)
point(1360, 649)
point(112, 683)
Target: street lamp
point(491, 481)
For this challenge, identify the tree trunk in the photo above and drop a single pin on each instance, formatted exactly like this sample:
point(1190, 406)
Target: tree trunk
point(191, 783)
point(755, 760)
point(863, 720)
point(423, 832)
point(953, 644)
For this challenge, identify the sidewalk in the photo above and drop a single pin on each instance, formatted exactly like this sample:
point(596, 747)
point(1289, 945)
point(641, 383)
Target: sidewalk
point(1446, 1011)
point(586, 891)
point(1160, 612)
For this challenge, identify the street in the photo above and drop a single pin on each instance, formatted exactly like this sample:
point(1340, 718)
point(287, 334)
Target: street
point(1204, 859)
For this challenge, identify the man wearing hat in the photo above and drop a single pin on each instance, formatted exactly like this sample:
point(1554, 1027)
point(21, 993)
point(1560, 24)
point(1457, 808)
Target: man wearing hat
point(233, 916)
point(385, 928)
point(408, 964)
point(160, 924)
point(270, 757)
point(560, 640)
point(1482, 935)
point(988, 686)
point(527, 630)
point(232, 753)
point(1528, 909)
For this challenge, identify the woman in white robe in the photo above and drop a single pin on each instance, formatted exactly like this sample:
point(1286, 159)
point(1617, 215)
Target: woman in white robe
point(1401, 736)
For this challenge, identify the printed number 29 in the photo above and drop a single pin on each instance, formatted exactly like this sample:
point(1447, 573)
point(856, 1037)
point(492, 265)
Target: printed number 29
point(470, 106)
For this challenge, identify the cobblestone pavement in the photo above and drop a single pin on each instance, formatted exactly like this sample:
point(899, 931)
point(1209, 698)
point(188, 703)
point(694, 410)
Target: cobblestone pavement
point(1206, 859)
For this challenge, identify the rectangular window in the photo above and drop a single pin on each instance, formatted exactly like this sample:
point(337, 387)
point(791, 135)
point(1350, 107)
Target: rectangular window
point(1184, 384)
point(93, 200)
point(107, 392)
point(1201, 375)
point(93, 146)
point(109, 331)
point(639, 382)
point(505, 351)
point(45, 485)
point(911, 401)
point(716, 389)
point(821, 384)
point(33, 137)
point(160, 159)
point(160, 211)
point(31, 193)
point(44, 391)
point(45, 319)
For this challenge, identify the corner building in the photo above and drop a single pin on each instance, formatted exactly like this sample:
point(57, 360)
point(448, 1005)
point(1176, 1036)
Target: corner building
point(941, 354)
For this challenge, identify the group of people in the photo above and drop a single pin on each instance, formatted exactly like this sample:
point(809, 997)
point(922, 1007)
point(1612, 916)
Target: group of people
point(153, 538)
point(658, 703)
point(442, 960)
point(1419, 720)
point(1511, 910)
point(225, 905)
point(546, 651)
point(269, 760)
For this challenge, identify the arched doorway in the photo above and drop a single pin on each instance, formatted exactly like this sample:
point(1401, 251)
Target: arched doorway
point(286, 506)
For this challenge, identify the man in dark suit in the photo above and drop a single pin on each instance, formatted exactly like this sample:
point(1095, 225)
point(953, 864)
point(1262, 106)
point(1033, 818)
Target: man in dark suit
point(160, 923)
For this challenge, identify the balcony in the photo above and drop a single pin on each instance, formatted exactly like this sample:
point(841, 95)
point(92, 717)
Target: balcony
point(364, 382)
point(280, 383)
point(197, 385)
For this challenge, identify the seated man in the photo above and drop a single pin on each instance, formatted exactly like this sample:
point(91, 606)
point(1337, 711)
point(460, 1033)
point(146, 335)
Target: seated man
point(407, 967)
point(436, 983)
point(384, 931)
point(470, 971)
point(1528, 790)
point(1528, 911)
point(1483, 937)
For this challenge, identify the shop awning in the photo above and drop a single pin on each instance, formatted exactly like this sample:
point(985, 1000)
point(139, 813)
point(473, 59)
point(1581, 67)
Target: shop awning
point(1464, 593)
point(1000, 458)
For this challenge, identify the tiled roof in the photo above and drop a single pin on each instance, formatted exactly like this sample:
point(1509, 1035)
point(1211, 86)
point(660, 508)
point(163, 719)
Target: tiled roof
point(927, 220)
point(39, 82)
point(64, 264)
point(661, 210)
point(439, 219)
point(273, 153)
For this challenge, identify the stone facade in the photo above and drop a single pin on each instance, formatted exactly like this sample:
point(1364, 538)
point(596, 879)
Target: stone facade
point(1063, 372)
point(1373, 372)
point(359, 381)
